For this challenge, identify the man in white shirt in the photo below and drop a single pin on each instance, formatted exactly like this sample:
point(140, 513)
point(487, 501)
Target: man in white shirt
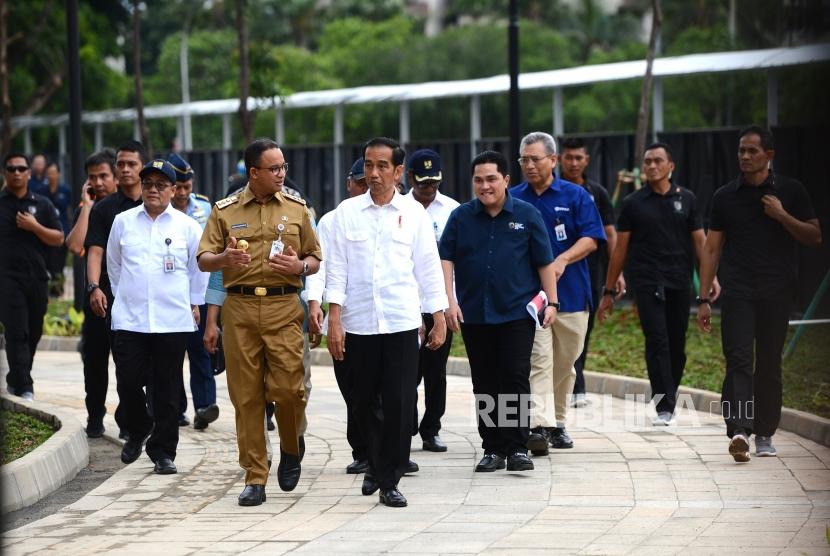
point(425, 179)
point(315, 286)
point(157, 286)
point(382, 270)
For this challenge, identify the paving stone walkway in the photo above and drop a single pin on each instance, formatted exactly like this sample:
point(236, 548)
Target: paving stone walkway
point(625, 488)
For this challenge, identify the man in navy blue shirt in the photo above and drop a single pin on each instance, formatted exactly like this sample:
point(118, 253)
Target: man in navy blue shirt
point(497, 249)
point(575, 229)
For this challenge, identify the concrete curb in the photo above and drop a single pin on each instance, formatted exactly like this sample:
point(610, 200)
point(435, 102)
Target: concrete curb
point(801, 423)
point(59, 343)
point(51, 465)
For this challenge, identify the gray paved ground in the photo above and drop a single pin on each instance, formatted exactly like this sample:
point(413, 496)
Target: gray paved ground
point(626, 487)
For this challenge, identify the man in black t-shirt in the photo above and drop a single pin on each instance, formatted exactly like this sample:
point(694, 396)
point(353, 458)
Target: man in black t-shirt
point(573, 163)
point(29, 225)
point(659, 224)
point(756, 223)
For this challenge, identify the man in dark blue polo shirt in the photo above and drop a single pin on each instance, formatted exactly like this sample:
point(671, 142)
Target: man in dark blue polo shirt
point(497, 249)
point(575, 229)
point(757, 221)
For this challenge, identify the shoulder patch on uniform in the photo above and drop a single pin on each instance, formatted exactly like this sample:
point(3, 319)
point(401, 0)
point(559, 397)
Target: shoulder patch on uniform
point(202, 197)
point(294, 198)
point(227, 201)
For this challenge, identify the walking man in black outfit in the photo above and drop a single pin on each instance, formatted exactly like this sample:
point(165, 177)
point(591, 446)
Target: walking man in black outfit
point(756, 223)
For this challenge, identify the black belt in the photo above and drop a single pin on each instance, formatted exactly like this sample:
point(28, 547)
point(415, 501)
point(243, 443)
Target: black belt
point(262, 291)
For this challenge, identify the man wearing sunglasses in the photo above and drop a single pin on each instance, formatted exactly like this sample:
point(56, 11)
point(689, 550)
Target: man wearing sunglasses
point(29, 224)
point(157, 288)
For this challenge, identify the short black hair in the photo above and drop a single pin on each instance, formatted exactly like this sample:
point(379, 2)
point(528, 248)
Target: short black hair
point(133, 146)
point(660, 145)
point(16, 154)
point(398, 154)
point(53, 162)
point(105, 156)
point(490, 157)
point(253, 152)
point(574, 143)
point(767, 140)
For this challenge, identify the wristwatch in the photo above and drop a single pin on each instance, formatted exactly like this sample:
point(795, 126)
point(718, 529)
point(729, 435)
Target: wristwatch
point(305, 268)
point(701, 300)
point(554, 304)
point(609, 291)
point(91, 287)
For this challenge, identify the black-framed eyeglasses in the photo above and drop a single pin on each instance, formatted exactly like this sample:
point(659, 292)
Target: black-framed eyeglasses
point(16, 169)
point(159, 185)
point(525, 160)
point(276, 170)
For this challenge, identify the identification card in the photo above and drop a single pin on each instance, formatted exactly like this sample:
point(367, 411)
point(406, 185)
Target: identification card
point(560, 232)
point(169, 263)
point(276, 248)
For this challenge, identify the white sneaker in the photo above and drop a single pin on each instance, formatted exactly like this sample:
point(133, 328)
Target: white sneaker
point(764, 447)
point(663, 419)
point(579, 400)
point(739, 448)
point(28, 396)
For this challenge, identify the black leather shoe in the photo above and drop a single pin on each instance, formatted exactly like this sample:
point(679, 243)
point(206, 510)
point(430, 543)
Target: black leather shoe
point(252, 495)
point(560, 439)
point(165, 466)
point(370, 485)
point(537, 442)
point(411, 467)
point(434, 444)
point(131, 450)
point(357, 467)
point(95, 428)
point(123, 435)
point(270, 425)
point(205, 415)
point(490, 462)
point(301, 442)
point(183, 421)
point(519, 462)
point(288, 471)
point(393, 498)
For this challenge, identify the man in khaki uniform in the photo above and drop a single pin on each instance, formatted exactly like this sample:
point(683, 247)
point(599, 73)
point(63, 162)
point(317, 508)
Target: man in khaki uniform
point(262, 315)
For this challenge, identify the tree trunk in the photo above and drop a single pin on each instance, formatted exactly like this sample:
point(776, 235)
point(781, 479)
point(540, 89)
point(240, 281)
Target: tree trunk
point(645, 94)
point(246, 118)
point(139, 88)
point(5, 99)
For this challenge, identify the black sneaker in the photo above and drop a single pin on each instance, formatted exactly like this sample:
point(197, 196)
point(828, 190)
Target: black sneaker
point(538, 440)
point(560, 439)
point(519, 462)
point(490, 462)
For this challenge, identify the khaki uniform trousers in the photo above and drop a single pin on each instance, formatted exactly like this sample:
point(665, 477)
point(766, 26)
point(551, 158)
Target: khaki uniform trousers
point(256, 330)
point(552, 373)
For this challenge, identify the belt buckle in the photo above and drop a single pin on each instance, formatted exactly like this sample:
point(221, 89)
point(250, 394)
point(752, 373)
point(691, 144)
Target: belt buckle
point(260, 291)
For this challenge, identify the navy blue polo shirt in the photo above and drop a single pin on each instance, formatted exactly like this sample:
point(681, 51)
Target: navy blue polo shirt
point(565, 203)
point(496, 259)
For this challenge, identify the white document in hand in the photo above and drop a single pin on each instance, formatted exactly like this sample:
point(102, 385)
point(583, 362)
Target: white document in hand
point(536, 308)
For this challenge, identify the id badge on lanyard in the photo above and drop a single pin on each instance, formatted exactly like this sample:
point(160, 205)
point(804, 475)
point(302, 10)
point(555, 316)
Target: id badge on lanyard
point(169, 261)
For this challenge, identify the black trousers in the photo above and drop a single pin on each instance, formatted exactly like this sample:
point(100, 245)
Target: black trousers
point(22, 307)
point(155, 360)
point(344, 382)
point(753, 332)
point(96, 338)
point(664, 319)
point(579, 364)
point(383, 394)
point(432, 368)
point(499, 357)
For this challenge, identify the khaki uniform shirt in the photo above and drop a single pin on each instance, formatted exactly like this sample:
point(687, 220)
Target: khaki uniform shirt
point(243, 217)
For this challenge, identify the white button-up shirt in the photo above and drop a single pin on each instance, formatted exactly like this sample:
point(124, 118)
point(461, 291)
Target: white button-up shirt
point(315, 284)
point(438, 211)
point(381, 261)
point(148, 299)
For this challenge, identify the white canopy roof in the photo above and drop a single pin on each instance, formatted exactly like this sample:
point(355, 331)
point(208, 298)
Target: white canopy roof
point(663, 67)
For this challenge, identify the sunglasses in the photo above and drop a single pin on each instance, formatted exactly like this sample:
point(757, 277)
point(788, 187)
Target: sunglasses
point(159, 185)
point(16, 169)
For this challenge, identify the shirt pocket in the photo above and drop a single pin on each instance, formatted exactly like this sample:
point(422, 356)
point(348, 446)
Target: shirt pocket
point(357, 235)
point(178, 248)
point(134, 249)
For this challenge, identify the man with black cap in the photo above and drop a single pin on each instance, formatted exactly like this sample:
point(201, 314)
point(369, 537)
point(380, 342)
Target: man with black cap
point(202, 382)
point(425, 178)
point(315, 290)
point(158, 288)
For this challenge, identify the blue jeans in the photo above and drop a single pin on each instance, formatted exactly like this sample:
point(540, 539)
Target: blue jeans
point(202, 382)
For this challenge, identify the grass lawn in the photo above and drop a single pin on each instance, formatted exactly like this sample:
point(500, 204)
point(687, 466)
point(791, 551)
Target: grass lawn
point(617, 348)
point(21, 434)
